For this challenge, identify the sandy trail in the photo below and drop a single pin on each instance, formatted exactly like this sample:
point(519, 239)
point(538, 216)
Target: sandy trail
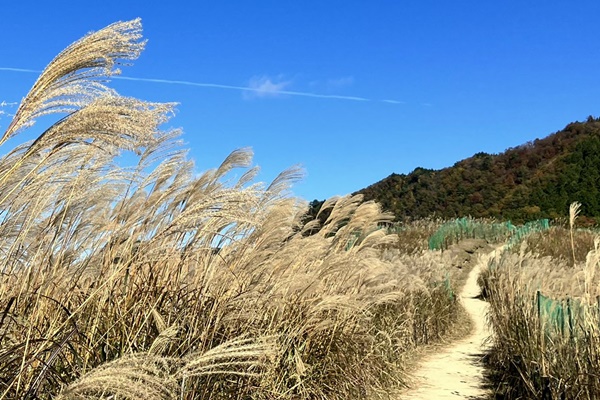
point(456, 372)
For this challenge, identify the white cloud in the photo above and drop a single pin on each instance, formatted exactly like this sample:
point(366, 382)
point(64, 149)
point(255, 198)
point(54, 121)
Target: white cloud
point(263, 86)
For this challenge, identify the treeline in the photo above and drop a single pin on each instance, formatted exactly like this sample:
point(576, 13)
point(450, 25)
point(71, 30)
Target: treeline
point(538, 179)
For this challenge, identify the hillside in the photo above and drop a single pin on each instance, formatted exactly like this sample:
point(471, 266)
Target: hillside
point(538, 179)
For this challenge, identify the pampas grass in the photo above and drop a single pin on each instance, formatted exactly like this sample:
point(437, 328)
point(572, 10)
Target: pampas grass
point(540, 351)
point(74, 78)
point(573, 213)
point(156, 282)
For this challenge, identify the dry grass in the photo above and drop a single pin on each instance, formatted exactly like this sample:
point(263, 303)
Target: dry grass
point(153, 282)
point(413, 236)
point(539, 351)
point(556, 244)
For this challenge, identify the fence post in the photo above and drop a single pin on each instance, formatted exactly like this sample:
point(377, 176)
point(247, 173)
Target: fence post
point(598, 308)
point(538, 301)
point(546, 391)
point(570, 317)
point(542, 340)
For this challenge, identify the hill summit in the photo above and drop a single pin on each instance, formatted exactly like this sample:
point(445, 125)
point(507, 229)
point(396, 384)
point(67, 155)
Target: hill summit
point(538, 179)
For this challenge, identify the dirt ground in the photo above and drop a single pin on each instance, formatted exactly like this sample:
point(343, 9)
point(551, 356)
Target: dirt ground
point(456, 372)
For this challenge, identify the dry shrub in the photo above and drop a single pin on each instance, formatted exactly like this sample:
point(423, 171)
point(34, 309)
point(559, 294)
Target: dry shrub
point(153, 282)
point(413, 235)
point(556, 244)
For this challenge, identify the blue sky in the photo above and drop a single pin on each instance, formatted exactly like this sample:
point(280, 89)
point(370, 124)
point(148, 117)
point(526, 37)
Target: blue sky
point(398, 84)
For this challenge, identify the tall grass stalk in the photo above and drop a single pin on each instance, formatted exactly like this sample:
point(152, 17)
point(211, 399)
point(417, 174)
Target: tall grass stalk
point(573, 213)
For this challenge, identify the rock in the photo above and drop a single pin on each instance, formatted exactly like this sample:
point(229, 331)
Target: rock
point(472, 245)
point(461, 254)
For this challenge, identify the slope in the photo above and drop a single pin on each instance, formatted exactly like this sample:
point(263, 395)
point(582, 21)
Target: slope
point(538, 179)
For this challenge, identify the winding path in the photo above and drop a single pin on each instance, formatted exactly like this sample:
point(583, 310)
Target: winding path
point(456, 372)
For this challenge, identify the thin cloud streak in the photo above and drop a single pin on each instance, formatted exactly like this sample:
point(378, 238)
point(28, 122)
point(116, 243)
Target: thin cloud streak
point(393, 101)
point(19, 70)
point(265, 87)
point(246, 89)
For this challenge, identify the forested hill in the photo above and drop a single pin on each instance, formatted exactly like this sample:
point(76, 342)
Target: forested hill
point(538, 179)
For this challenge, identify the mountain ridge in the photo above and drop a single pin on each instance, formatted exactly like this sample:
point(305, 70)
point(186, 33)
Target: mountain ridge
point(538, 179)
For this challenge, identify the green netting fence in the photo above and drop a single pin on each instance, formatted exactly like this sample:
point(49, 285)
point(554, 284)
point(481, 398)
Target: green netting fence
point(567, 317)
point(446, 285)
point(465, 228)
point(521, 232)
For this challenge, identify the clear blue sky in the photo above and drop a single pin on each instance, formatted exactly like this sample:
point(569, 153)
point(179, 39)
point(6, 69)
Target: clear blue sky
point(462, 76)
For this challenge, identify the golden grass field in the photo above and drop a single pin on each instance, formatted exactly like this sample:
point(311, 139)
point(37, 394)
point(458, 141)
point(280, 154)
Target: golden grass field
point(154, 282)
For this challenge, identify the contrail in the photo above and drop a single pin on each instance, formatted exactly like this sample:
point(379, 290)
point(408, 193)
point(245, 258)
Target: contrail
point(393, 101)
point(245, 88)
point(19, 70)
point(229, 87)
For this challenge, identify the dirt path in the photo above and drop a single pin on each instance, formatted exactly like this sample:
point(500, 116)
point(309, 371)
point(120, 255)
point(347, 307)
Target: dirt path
point(456, 372)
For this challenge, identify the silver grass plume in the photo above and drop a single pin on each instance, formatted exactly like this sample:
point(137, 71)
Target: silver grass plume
point(151, 377)
point(110, 122)
point(71, 80)
point(573, 214)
